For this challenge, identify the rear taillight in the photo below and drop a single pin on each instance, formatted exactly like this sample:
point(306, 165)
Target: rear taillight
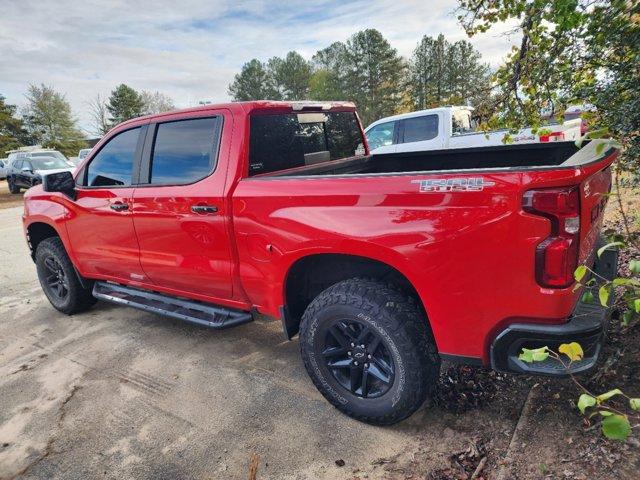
point(556, 255)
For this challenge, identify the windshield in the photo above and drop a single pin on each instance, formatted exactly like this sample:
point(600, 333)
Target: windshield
point(48, 163)
point(51, 154)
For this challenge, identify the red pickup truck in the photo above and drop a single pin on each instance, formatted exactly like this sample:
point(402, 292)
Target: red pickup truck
point(383, 264)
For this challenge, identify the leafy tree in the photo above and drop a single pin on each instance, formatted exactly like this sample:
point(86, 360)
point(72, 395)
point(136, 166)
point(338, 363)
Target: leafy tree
point(442, 73)
point(290, 76)
point(124, 104)
point(571, 51)
point(252, 83)
point(49, 121)
point(156, 102)
point(12, 132)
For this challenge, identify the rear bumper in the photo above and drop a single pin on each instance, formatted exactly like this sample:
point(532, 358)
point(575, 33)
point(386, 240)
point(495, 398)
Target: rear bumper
point(586, 326)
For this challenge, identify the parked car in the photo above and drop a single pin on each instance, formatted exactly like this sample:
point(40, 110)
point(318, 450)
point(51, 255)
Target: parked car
point(31, 152)
point(4, 164)
point(383, 264)
point(29, 171)
point(82, 154)
point(453, 127)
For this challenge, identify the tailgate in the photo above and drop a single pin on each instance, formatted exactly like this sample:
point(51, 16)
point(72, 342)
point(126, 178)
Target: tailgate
point(594, 194)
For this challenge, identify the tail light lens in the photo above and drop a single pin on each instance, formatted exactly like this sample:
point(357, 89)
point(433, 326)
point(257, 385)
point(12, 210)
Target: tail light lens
point(556, 255)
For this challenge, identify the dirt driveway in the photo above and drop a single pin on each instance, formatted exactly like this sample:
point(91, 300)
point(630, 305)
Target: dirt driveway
point(117, 393)
point(8, 199)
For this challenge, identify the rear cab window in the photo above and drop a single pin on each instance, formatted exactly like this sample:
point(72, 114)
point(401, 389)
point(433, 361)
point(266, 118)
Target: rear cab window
point(290, 140)
point(185, 151)
point(418, 129)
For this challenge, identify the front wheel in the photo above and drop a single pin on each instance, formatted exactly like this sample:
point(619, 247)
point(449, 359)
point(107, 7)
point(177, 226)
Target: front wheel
point(13, 188)
point(368, 350)
point(59, 280)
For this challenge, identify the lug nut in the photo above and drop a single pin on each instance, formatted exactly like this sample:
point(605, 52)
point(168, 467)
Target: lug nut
point(355, 363)
point(366, 365)
point(368, 356)
point(361, 346)
point(353, 344)
point(349, 353)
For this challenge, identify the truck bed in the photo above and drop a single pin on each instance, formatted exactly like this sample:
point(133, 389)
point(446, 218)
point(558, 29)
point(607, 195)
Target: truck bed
point(504, 156)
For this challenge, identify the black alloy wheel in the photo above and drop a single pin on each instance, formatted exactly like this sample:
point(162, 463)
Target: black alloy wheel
point(368, 349)
point(56, 279)
point(59, 279)
point(358, 358)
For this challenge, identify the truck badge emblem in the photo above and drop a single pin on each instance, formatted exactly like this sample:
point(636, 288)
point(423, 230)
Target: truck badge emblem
point(464, 184)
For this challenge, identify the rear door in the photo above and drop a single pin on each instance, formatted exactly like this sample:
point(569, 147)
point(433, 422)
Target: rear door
point(180, 209)
point(101, 226)
point(420, 133)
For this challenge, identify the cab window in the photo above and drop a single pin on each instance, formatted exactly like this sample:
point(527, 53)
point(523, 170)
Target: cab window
point(284, 141)
point(113, 164)
point(185, 151)
point(418, 129)
point(381, 135)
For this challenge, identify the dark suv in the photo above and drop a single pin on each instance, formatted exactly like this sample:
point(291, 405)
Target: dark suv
point(28, 171)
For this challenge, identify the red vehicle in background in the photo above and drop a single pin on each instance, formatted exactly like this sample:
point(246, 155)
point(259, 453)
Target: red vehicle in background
point(383, 264)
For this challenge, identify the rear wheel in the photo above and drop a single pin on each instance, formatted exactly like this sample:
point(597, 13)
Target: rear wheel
point(13, 188)
point(59, 280)
point(368, 350)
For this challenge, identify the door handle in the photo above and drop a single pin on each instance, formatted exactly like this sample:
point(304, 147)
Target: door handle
point(119, 206)
point(204, 209)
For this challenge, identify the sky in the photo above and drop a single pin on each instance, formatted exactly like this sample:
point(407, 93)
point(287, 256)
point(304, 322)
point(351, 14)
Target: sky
point(191, 49)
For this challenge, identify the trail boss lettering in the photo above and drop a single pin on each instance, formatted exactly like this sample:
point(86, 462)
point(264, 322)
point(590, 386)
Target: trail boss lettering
point(463, 184)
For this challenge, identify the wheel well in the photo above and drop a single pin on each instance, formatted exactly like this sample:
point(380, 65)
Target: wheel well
point(311, 275)
point(38, 232)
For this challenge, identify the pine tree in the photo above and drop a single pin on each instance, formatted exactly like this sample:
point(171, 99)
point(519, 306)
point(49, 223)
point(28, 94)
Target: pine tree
point(328, 82)
point(442, 73)
point(252, 83)
point(374, 75)
point(124, 104)
point(290, 76)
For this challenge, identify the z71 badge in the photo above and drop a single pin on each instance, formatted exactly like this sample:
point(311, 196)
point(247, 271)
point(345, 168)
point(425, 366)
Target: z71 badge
point(475, 184)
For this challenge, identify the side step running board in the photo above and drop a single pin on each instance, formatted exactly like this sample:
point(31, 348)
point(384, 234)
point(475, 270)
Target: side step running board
point(188, 310)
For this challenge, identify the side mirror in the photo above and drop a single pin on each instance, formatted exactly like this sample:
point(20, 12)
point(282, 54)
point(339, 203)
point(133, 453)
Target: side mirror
point(60, 182)
point(27, 169)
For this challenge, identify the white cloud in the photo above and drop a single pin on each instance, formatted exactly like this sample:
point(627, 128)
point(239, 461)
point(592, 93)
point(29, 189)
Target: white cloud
point(191, 49)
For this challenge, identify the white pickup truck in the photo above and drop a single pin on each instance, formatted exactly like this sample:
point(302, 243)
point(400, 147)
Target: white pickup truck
point(453, 127)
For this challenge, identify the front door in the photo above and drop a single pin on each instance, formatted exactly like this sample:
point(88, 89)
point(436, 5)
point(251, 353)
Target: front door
point(180, 209)
point(100, 226)
point(24, 175)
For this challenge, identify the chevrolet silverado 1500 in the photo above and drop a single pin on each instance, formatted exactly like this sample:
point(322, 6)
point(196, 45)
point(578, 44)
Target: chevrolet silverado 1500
point(383, 264)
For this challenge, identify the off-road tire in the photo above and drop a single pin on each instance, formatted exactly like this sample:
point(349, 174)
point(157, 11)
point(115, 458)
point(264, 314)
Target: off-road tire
point(13, 188)
point(396, 317)
point(77, 298)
